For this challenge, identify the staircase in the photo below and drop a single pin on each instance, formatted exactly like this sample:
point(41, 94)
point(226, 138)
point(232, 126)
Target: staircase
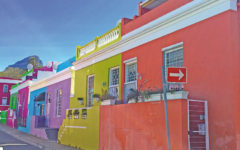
point(52, 133)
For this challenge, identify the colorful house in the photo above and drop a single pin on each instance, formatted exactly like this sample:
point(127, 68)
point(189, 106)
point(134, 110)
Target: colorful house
point(202, 36)
point(5, 86)
point(90, 78)
point(30, 77)
point(11, 114)
point(49, 100)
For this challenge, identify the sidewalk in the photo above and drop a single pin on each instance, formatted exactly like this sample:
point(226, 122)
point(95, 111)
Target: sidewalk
point(35, 141)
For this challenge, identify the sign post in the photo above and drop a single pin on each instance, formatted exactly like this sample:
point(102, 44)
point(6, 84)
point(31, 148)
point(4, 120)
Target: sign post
point(174, 75)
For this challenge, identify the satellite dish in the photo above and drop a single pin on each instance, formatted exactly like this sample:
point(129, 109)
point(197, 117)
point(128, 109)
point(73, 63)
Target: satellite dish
point(29, 66)
point(49, 64)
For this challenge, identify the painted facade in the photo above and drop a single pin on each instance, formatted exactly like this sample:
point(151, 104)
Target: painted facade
point(81, 127)
point(22, 111)
point(5, 86)
point(206, 44)
point(55, 102)
point(11, 114)
point(202, 36)
point(181, 29)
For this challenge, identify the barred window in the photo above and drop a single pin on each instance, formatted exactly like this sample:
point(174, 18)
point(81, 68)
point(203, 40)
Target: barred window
point(5, 88)
point(114, 76)
point(59, 102)
point(114, 81)
point(90, 90)
point(131, 72)
point(173, 57)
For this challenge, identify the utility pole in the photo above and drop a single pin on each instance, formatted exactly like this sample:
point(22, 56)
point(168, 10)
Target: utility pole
point(165, 103)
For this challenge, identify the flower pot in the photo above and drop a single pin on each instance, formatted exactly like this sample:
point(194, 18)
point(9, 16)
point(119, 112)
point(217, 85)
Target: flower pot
point(108, 102)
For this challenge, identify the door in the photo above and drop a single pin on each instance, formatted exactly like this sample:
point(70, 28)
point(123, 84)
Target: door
point(39, 108)
point(198, 138)
point(90, 90)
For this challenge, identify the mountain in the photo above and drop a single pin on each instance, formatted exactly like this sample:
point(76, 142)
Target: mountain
point(17, 69)
point(22, 64)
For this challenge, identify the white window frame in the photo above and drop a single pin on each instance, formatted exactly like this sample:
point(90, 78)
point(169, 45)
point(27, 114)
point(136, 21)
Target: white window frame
point(89, 76)
point(5, 86)
point(59, 100)
point(170, 49)
point(129, 62)
point(6, 101)
point(117, 85)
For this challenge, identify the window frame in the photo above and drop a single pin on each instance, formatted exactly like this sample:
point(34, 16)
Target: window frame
point(5, 85)
point(110, 81)
point(59, 101)
point(6, 101)
point(87, 100)
point(169, 49)
point(126, 63)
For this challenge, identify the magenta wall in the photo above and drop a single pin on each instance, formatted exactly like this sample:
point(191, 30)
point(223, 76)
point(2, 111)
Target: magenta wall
point(24, 91)
point(53, 120)
point(5, 95)
point(11, 122)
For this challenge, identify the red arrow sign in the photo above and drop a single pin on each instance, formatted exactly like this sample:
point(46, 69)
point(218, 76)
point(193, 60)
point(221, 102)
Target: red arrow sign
point(178, 75)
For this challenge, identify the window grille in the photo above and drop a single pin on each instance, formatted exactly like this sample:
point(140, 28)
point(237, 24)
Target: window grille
point(5, 88)
point(4, 101)
point(114, 82)
point(173, 57)
point(59, 102)
point(90, 90)
point(130, 78)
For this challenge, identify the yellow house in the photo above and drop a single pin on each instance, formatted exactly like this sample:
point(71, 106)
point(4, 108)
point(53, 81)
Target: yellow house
point(95, 77)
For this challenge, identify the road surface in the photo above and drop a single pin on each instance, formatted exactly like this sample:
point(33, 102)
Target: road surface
point(7, 142)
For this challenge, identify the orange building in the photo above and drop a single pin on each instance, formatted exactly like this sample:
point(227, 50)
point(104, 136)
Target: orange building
point(201, 35)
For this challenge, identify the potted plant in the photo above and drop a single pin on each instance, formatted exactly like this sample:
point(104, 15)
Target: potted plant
point(80, 100)
point(96, 97)
point(107, 99)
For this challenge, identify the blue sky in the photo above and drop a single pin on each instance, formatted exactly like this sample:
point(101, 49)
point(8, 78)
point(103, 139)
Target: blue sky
point(52, 29)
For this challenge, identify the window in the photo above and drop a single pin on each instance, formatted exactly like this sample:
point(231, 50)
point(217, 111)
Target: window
point(90, 90)
point(130, 77)
point(59, 103)
point(5, 88)
point(173, 57)
point(114, 81)
point(131, 72)
point(4, 101)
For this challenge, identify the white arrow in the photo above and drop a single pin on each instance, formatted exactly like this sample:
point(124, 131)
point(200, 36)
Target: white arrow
point(180, 75)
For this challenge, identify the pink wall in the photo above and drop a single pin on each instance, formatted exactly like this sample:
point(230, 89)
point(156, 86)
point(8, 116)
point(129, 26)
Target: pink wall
point(21, 92)
point(54, 121)
point(39, 132)
point(5, 95)
point(11, 121)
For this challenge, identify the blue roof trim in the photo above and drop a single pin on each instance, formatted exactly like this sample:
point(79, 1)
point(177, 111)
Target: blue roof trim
point(66, 64)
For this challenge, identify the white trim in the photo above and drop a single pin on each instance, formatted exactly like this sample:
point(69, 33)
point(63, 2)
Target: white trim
point(79, 108)
point(130, 61)
point(21, 86)
point(189, 14)
point(178, 45)
point(113, 68)
point(206, 124)
point(55, 78)
point(76, 127)
point(9, 81)
point(3, 105)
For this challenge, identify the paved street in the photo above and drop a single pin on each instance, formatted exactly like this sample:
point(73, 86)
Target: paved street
point(8, 142)
point(12, 139)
